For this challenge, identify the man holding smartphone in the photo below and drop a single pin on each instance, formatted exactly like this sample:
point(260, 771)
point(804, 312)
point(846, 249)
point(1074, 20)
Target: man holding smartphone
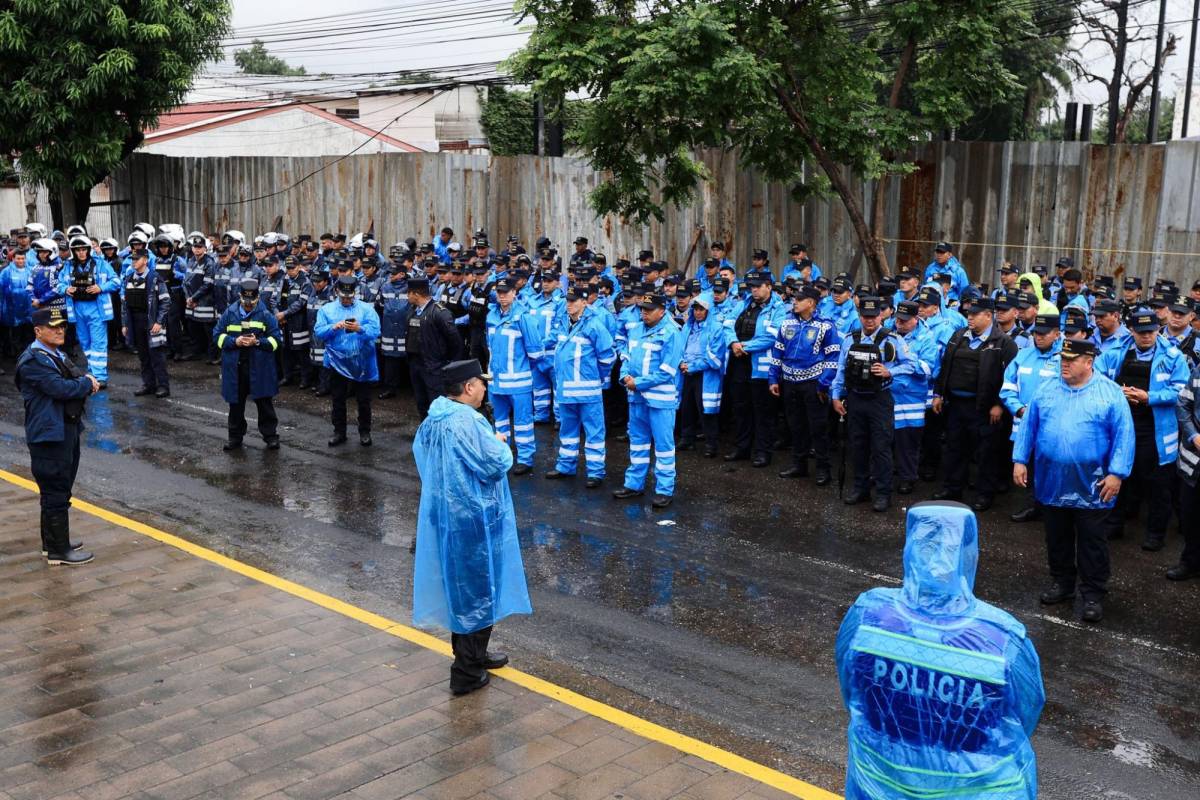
point(349, 329)
point(248, 336)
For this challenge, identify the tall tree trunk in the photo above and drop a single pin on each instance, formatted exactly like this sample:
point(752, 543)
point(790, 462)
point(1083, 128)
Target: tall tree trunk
point(1115, 134)
point(69, 206)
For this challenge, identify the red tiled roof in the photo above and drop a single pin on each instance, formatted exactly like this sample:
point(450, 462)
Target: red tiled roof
point(200, 112)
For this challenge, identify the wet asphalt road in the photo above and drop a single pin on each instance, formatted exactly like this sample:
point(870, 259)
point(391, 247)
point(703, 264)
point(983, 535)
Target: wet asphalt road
point(716, 617)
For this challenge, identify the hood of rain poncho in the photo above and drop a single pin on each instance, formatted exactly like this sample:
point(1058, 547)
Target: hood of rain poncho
point(1044, 305)
point(941, 552)
point(943, 689)
point(468, 572)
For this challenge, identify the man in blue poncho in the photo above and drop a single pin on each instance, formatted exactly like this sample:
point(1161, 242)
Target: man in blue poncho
point(349, 329)
point(943, 689)
point(1078, 433)
point(468, 573)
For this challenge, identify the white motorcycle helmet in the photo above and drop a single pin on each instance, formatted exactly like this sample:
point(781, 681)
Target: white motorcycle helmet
point(80, 241)
point(270, 238)
point(356, 242)
point(37, 230)
point(76, 230)
point(45, 244)
point(109, 243)
point(234, 236)
point(171, 229)
point(146, 228)
point(138, 235)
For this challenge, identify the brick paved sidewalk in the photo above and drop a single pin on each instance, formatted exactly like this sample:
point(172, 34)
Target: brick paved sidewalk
point(155, 675)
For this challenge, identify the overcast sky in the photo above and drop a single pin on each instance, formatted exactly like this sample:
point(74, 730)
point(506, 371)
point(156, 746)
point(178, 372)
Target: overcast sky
point(418, 34)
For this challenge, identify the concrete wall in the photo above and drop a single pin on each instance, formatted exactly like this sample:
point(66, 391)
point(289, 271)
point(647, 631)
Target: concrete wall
point(1132, 209)
point(291, 133)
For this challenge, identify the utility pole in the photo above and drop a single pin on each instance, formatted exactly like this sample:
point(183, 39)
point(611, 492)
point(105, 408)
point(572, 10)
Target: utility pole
point(1152, 126)
point(1191, 67)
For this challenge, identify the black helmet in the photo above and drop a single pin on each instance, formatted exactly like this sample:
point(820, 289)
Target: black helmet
point(162, 240)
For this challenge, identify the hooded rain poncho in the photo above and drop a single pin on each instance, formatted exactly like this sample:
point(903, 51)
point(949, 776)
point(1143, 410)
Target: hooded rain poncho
point(468, 573)
point(943, 689)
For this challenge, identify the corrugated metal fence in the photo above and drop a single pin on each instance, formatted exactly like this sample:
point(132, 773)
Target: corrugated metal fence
point(1130, 209)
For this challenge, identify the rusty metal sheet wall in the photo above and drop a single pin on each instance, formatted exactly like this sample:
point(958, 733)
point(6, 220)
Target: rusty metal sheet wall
point(1125, 209)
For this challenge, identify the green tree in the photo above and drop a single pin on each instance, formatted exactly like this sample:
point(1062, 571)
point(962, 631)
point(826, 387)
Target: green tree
point(255, 60)
point(86, 77)
point(839, 83)
point(507, 119)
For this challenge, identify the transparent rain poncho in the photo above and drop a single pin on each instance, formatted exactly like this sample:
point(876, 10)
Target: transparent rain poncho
point(468, 572)
point(943, 689)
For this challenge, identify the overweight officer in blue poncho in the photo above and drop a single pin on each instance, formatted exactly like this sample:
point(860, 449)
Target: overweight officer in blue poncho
point(943, 689)
point(468, 573)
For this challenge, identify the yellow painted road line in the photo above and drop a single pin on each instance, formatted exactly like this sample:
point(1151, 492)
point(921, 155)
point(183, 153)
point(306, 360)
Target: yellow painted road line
point(642, 727)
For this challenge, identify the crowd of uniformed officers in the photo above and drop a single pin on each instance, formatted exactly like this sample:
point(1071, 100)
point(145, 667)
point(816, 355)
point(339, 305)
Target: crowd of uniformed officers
point(922, 376)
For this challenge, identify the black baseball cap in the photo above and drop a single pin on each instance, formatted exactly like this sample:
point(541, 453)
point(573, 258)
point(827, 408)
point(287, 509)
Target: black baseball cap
point(840, 285)
point(720, 284)
point(797, 248)
point(870, 306)
point(652, 300)
point(579, 292)
point(1066, 262)
point(504, 285)
point(1144, 321)
point(929, 296)
point(1133, 283)
point(1074, 348)
point(943, 247)
point(1106, 306)
point(807, 291)
point(49, 317)
point(463, 371)
point(1045, 323)
point(760, 254)
point(982, 304)
point(907, 309)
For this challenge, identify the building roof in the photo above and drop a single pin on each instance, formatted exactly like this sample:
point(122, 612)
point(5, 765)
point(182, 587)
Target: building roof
point(196, 117)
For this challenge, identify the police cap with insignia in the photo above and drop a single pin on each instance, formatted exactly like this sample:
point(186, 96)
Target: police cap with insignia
point(652, 300)
point(49, 317)
point(840, 285)
point(1075, 324)
point(863, 289)
point(797, 248)
point(1161, 298)
point(822, 283)
point(519, 272)
point(1010, 269)
point(599, 258)
point(712, 263)
point(1027, 300)
point(982, 304)
point(720, 284)
point(347, 285)
point(1005, 301)
point(1132, 284)
point(504, 285)
point(760, 255)
point(320, 275)
point(759, 278)
point(290, 262)
point(418, 285)
point(462, 371)
point(579, 292)
point(1045, 323)
point(1066, 262)
point(249, 287)
point(1183, 305)
point(907, 309)
point(943, 247)
point(1106, 306)
point(684, 290)
point(550, 275)
point(929, 296)
point(886, 287)
point(870, 306)
point(646, 255)
point(1144, 321)
point(1074, 348)
point(808, 291)
point(717, 245)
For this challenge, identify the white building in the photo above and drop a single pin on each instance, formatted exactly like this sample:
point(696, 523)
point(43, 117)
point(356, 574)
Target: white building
point(426, 115)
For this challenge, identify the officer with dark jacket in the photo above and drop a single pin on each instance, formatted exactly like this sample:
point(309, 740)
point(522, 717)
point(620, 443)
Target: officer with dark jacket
point(199, 289)
point(870, 357)
point(968, 392)
point(292, 316)
point(431, 343)
point(54, 391)
point(248, 337)
point(320, 292)
point(393, 326)
point(145, 305)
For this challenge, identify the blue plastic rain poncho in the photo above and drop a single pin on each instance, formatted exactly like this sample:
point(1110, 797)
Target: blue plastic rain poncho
point(468, 573)
point(943, 689)
point(1075, 437)
point(349, 353)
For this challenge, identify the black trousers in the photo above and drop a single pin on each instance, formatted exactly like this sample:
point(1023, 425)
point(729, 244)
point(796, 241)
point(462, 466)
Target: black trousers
point(1189, 515)
point(268, 422)
point(296, 364)
point(153, 359)
point(179, 340)
point(871, 418)
point(425, 386)
point(1077, 548)
point(908, 452)
point(1150, 484)
point(931, 444)
point(616, 400)
point(691, 413)
point(393, 368)
point(341, 388)
point(470, 651)
point(807, 420)
point(754, 410)
point(54, 466)
point(969, 437)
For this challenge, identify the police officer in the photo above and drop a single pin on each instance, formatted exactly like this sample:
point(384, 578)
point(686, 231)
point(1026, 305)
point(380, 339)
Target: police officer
point(54, 391)
point(87, 281)
point(1110, 330)
point(248, 336)
point(145, 303)
point(804, 360)
point(753, 405)
point(649, 373)
point(705, 356)
point(1131, 297)
point(912, 391)
point(1188, 414)
point(172, 273)
point(320, 293)
point(945, 263)
point(583, 357)
point(199, 291)
point(869, 359)
point(431, 343)
point(349, 328)
point(1074, 430)
point(393, 328)
point(515, 341)
point(968, 392)
point(1022, 377)
point(293, 320)
point(1151, 373)
point(548, 307)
